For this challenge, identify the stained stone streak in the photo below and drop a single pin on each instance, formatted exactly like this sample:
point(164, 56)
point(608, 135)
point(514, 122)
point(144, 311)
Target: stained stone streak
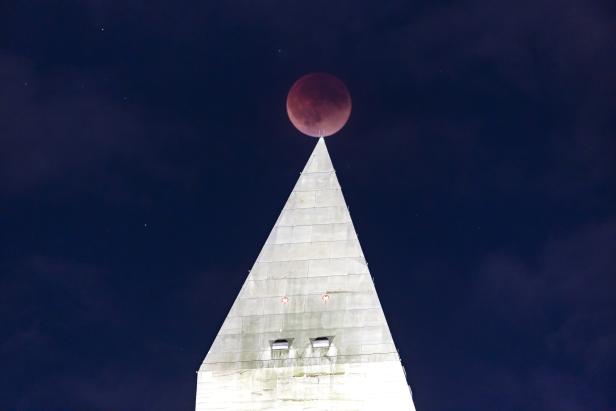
point(310, 280)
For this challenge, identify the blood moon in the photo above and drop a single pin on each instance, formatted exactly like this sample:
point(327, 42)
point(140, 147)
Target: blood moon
point(319, 104)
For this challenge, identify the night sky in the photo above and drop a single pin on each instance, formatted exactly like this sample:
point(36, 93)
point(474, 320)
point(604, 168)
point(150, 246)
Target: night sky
point(479, 165)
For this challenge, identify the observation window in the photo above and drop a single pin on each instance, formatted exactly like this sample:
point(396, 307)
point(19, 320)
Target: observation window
point(281, 344)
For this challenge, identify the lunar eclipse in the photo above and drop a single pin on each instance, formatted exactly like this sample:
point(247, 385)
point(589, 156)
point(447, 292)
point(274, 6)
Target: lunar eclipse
point(319, 104)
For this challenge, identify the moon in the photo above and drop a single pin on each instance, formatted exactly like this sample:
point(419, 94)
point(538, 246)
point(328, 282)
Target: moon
point(319, 104)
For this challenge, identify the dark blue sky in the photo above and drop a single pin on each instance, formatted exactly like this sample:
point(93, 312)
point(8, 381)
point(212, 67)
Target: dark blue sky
point(479, 165)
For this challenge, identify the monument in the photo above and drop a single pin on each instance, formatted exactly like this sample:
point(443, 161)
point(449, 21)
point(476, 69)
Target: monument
point(307, 331)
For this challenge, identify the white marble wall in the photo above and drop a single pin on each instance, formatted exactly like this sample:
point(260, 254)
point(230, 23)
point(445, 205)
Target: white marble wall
point(325, 387)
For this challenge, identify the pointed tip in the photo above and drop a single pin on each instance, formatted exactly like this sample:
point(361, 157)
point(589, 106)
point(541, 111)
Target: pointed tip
point(320, 160)
point(321, 146)
point(320, 143)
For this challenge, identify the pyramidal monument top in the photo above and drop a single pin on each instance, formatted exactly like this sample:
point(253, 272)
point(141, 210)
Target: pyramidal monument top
point(307, 330)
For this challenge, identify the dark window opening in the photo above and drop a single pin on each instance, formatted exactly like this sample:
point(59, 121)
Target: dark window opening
point(281, 344)
point(321, 342)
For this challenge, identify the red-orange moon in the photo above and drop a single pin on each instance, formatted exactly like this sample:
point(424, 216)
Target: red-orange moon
point(319, 104)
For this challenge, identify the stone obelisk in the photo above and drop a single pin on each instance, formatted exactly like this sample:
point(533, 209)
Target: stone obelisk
point(307, 331)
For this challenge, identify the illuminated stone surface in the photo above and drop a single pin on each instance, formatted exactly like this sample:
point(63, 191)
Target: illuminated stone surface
point(312, 251)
